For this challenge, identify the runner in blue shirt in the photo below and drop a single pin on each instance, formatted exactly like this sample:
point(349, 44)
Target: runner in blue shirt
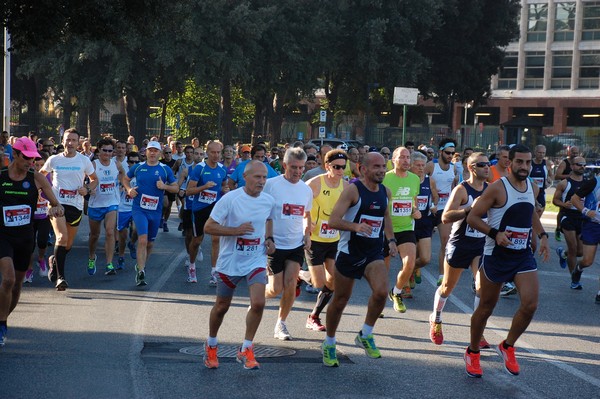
point(152, 180)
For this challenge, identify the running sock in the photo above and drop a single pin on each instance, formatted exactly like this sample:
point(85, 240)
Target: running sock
point(60, 256)
point(366, 331)
point(246, 344)
point(192, 266)
point(212, 341)
point(471, 351)
point(476, 302)
point(397, 291)
point(213, 271)
point(438, 305)
point(329, 340)
point(322, 300)
point(505, 345)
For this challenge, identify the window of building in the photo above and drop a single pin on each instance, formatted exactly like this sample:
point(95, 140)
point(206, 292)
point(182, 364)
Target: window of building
point(561, 69)
point(534, 70)
point(591, 21)
point(507, 77)
point(589, 70)
point(537, 21)
point(564, 23)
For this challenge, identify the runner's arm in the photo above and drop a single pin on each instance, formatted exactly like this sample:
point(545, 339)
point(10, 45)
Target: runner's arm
point(452, 211)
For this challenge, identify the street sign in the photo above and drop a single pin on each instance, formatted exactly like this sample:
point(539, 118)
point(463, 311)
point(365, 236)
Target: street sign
point(321, 132)
point(300, 135)
point(406, 96)
point(323, 116)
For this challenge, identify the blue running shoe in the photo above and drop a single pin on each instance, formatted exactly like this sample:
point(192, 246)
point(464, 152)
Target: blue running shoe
point(121, 263)
point(3, 334)
point(562, 257)
point(132, 250)
point(91, 269)
point(576, 286)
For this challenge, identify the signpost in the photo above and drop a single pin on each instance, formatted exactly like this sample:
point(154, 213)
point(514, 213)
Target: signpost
point(405, 96)
point(321, 132)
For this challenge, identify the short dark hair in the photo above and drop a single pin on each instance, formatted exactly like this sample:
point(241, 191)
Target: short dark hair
point(518, 148)
point(133, 154)
point(71, 130)
point(409, 143)
point(444, 142)
point(103, 142)
point(258, 147)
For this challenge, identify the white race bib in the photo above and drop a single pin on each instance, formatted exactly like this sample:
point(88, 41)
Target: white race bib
point(292, 211)
point(42, 207)
point(539, 181)
point(401, 207)
point(326, 232)
point(376, 222)
point(443, 199)
point(106, 188)
point(422, 201)
point(149, 202)
point(473, 233)
point(16, 215)
point(67, 196)
point(207, 196)
point(249, 246)
point(518, 236)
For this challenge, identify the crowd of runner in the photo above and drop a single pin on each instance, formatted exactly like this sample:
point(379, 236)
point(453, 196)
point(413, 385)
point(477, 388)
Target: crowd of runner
point(280, 216)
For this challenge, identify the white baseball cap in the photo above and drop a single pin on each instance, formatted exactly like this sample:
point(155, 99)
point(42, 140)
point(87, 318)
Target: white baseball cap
point(154, 144)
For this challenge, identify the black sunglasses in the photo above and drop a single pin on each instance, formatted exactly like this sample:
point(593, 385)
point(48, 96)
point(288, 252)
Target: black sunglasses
point(385, 153)
point(482, 164)
point(107, 150)
point(580, 163)
point(128, 161)
point(449, 152)
point(338, 167)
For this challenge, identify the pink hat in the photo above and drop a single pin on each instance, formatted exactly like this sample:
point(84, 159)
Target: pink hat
point(27, 147)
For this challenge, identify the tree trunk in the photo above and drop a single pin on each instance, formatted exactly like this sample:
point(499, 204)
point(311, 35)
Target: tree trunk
point(67, 111)
point(226, 111)
point(331, 93)
point(277, 118)
point(163, 119)
point(94, 119)
point(141, 113)
point(82, 120)
point(129, 103)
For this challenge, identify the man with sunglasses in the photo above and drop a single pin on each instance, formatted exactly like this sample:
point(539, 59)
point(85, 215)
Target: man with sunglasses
point(571, 220)
point(587, 201)
point(69, 169)
point(19, 186)
point(444, 175)
point(103, 205)
point(509, 205)
point(465, 245)
point(125, 216)
point(320, 258)
point(385, 151)
point(258, 153)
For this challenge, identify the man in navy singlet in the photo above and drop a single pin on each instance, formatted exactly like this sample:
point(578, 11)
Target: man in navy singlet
point(509, 204)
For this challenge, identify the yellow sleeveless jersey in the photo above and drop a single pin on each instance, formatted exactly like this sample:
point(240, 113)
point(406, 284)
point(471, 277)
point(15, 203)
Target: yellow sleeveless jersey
point(321, 211)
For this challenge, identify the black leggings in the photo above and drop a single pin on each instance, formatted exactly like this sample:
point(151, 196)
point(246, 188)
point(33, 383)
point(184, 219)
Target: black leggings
point(41, 232)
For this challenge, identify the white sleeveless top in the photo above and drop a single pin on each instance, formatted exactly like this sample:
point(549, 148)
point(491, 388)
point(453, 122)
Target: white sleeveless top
point(107, 191)
point(443, 181)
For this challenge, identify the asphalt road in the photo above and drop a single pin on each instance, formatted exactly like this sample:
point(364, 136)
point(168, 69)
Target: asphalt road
point(106, 338)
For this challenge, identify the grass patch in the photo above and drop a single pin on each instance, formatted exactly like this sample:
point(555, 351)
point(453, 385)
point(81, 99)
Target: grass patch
point(550, 207)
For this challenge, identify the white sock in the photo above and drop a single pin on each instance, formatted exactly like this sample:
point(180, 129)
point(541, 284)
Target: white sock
point(192, 266)
point(212, 341)
point(366, 331)
point(329, 340)
point(397, 291)
point(246, 344)
point(213, 271)
point(438, 305)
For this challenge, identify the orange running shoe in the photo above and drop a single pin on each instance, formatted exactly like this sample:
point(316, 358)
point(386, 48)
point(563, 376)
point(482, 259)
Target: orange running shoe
point(435, 331)
point(211, 360)
point(473, 367)
point(510, 361)
point(483, 344)
point(247, 358)
point(406, 292)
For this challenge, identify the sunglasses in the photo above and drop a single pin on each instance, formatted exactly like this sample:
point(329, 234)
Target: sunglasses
point(128, 161)
point(482, 164)
point(106, 150)
point(386, 153)
point(580, 163)
point(338, 167)
point(167, 152)
point(26, 158)
point(449, 152)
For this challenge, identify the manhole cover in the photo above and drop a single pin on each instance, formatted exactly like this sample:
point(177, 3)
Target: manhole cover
point(231, 351)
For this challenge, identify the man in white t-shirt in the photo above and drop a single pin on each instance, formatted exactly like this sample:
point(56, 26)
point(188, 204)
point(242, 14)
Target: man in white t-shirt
point(69, 169)
point(243, 221)
point(291, 229)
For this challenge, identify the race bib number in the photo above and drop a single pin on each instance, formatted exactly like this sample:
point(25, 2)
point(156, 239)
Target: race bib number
point(207, 196)
point(539, 181)
point(473, 233)
point(518, 236)
point(401, 207)
point(149, 202)
point(16, 215)
point(326, 232)
point(422, 202)
point(292, 211)
point(376, 222)
point(248, 246)
point(106, 188)
point(41, 208)
point(128, 199)
point(443, 199)
point(67, 195)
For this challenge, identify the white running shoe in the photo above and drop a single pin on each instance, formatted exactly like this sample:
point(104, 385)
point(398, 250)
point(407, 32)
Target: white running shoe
point(281, 332)
point(192, 276)
point(213, 280)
